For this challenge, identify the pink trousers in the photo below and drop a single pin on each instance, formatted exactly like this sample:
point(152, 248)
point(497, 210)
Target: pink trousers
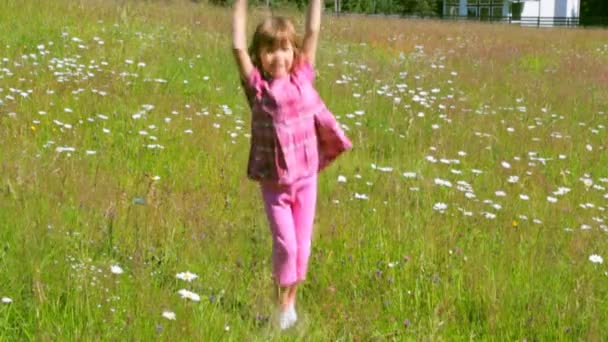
point(290, 210)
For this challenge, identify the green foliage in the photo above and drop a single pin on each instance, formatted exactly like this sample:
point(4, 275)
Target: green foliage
point(401, 7)
point(594, 12)
point(419, 7)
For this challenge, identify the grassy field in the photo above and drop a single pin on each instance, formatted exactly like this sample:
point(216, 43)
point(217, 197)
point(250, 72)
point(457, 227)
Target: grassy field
point(474, 205)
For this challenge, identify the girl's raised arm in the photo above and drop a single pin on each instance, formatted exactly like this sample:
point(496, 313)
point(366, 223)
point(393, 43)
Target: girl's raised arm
point(311, 34)
point(239, 38)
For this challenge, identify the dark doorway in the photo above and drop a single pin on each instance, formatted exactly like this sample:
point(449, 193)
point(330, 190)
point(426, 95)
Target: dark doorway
point(516, 9)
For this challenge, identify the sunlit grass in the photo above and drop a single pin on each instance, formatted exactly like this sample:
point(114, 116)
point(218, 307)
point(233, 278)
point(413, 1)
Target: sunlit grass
point(472, 206)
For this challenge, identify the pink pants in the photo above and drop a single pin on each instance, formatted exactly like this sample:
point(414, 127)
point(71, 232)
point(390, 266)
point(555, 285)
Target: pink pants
point(290, 210)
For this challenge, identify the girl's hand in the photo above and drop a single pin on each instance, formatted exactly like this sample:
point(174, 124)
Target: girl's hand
point(239, 38)
point(311, 33)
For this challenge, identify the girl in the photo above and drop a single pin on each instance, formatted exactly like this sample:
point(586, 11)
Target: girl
point(293, 137)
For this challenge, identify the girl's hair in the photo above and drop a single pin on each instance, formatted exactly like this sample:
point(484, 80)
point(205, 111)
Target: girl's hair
point(274, 32)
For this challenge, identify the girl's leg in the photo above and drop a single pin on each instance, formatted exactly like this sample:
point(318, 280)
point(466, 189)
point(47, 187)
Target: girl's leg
point(277, 202)
point(287, 316)
point(285, 296)
point(305, 197)
point(291, 298)
point(290, 211)
point(303, 216)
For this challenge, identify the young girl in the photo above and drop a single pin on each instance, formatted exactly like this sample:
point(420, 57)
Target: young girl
point(293, 137)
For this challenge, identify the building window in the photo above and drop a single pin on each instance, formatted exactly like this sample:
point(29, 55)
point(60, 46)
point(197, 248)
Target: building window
point(497, 12)
point(451, 11)
point(484, 9)
point(484, 12)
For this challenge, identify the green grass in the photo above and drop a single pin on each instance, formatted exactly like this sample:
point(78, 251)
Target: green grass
point(388, 268)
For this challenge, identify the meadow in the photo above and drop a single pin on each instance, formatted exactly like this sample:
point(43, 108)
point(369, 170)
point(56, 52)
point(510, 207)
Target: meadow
point(472, 207)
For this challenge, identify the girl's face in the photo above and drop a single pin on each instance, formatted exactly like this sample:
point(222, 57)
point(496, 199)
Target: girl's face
point(277, 61)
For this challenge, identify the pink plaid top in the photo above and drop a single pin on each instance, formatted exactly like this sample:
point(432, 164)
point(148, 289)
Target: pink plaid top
point(293, 134)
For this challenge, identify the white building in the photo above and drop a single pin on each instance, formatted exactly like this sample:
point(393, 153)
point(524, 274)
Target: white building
point(551, 8)
point(550, 11)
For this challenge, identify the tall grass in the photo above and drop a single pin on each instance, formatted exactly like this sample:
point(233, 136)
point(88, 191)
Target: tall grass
point(123, 141)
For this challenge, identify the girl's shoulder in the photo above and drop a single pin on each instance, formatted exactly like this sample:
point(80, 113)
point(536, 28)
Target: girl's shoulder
point(253, 85)
point(305, 71)
point(254, 79)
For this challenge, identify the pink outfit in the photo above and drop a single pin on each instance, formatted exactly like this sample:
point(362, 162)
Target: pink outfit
point(291, 211)
point(293, 134)
point(332, 141)
point(293, 137)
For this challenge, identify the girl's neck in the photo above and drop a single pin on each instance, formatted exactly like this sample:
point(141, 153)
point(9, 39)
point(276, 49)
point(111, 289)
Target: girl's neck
point(271, 79)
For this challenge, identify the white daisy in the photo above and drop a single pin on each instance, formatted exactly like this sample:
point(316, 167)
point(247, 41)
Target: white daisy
point(596, 259)
point(440, 206)
point(116, 269)
point(187, 276)
point(169, 315)
point(189, 295)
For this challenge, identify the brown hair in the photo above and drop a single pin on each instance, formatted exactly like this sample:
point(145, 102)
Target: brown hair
point(274, 32)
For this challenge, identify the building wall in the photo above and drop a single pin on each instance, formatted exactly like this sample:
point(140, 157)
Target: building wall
point(535, 8)
point(551, 8)
point(574, 8)
point(531, 8)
